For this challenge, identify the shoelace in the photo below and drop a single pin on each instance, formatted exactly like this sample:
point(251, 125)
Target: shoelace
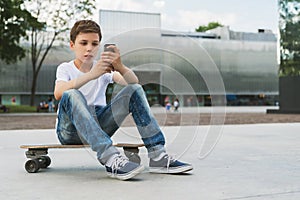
point(170, 160)
point(119, 162)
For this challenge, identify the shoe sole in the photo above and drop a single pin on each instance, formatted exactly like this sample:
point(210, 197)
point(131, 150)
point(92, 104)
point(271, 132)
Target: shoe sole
point(129, 175)
point(178, 170)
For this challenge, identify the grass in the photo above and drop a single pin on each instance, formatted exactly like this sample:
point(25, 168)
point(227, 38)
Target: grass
point(20, 109)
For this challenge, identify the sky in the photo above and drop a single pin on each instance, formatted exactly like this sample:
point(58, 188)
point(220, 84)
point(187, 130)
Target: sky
point(186, 15)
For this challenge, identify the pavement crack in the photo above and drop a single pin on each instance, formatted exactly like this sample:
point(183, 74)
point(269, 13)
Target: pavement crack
point(262, 195)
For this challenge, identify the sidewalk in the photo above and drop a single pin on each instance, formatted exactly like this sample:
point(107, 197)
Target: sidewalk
point(249, 162)
point(218, 109)
point(160, 109)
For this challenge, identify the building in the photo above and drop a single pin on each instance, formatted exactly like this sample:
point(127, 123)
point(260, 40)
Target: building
point(194, 67)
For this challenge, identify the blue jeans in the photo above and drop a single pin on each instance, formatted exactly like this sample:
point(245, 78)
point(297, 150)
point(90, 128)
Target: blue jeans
point(77, 123)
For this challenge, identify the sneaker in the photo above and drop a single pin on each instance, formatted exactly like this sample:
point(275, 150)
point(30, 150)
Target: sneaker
point(118, 166)
point(168, 165)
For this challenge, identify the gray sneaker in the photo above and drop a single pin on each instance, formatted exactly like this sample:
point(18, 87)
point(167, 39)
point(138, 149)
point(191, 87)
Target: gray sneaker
point(168, 165)
point(123, 169)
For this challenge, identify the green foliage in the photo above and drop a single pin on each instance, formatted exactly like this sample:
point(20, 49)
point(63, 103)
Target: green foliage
point(211, 25)
point(14, 22)
point(58, 16)
point(289, 25)
point(41, 22)
point(21, 109)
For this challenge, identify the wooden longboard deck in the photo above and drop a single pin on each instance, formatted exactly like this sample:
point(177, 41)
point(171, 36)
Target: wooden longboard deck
point(39, 159)
point(61, 146)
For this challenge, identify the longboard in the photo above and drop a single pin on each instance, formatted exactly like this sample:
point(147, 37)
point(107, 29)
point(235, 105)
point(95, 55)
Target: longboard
point(39, 159)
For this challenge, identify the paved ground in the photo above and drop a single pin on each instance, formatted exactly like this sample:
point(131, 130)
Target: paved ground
point(186, 117)
point(250, 161)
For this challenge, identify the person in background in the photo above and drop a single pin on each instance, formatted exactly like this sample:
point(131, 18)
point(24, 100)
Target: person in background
point(176, 105)
point(168, 106)
point(50, 105)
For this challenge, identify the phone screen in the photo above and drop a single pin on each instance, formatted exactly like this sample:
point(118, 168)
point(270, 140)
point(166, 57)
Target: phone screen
point(108, 49)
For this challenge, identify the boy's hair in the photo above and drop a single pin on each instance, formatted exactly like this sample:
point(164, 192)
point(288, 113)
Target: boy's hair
point(85, 26)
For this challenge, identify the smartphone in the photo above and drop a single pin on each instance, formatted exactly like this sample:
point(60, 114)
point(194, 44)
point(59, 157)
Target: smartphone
point(109, 49)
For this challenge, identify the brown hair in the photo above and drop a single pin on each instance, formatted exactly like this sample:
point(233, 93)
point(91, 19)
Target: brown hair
point(85, 26)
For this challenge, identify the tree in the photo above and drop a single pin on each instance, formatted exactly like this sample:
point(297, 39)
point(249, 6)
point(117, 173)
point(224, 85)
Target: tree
point(14, 22)
point(58, 16)
point(211, 25)
point(289, 27)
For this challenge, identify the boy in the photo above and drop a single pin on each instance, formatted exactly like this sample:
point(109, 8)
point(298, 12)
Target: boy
point(81, 85)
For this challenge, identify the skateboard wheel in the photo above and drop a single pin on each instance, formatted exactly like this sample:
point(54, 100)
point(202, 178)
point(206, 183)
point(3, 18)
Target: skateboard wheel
point(44, 161)
point(32, 166)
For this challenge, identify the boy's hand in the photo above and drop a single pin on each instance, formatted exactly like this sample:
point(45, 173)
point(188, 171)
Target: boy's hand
point(113, 57)
point(101, 67)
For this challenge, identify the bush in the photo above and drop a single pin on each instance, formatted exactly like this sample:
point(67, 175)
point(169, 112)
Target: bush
point(20, 109)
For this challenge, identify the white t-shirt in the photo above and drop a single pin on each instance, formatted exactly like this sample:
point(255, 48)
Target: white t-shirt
point(176, 103)
point(93, 91)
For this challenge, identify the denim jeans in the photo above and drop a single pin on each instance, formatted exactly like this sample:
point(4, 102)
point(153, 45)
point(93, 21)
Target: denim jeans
point(77, 124)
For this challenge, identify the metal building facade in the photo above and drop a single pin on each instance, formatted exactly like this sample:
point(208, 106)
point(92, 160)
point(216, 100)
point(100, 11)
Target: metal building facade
point(183, 64)
point(246, 62)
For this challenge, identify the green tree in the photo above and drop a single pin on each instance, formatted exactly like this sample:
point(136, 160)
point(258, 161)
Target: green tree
point(58, 16)
point(289, 27)
point(211, 25)
point(14, 22)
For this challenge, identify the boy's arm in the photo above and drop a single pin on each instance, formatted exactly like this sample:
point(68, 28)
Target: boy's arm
point(97, 70)
point(61, 86)
point(125, 76)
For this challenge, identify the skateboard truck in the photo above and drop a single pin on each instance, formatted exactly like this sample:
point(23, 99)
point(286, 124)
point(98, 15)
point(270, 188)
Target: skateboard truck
point(132, 153)
point(38, 159)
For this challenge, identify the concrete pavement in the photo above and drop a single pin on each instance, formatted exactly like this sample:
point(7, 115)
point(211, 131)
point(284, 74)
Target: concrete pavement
point(260, 161)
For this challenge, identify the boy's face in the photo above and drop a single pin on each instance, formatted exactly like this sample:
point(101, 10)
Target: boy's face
point(85, 47)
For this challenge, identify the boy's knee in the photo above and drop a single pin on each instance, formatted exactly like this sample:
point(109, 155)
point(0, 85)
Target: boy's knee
point(71, 93)
point(134, 87)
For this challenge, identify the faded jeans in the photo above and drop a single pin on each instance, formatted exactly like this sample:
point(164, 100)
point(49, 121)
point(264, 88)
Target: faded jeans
point(77, 125)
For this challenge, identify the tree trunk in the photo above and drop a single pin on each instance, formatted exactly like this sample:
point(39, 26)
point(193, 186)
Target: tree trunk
point(33, 89)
